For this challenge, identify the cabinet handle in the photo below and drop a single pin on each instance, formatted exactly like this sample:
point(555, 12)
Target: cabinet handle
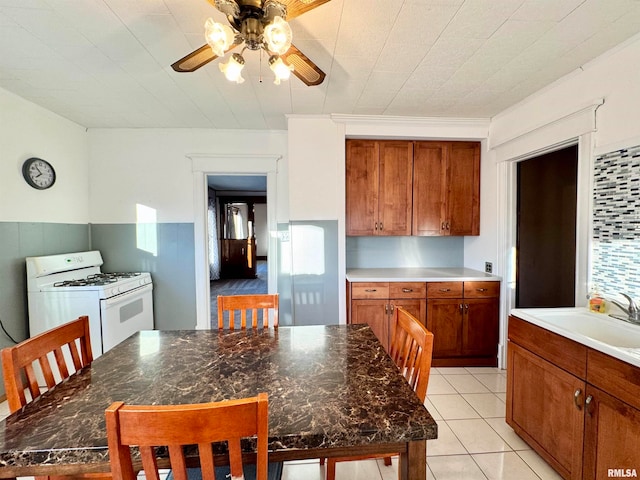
point(576, 399)
point(407, 290)
point(370, 290)
point(445, 290)
point(381, 227)
point(448, 226)
point(376, 226)
point(466, 307)
point(444, 227)
point(481, 289)
point(461, 307)
point(587, 404)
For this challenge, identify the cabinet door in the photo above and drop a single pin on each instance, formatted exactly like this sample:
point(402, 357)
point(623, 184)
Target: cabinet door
point(480, 328)
point(543, 409)
point(463, 201)
point(362, 182)
point(429, 188)
point(444, 319)
point(415, 306)
point(395, 193)
point(374, 313)
point(612, 430)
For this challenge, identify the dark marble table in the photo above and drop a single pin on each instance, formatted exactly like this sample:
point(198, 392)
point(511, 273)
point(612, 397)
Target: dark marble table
point(332, 391)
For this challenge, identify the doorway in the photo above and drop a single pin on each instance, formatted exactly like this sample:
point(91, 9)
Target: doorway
point(238, 236)
point(546, 230)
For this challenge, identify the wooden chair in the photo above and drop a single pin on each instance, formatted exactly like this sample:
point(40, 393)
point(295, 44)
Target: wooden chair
point(411, 350)
point(47, 350)
point(256, 305)
point(150, 426)
point(59, 352)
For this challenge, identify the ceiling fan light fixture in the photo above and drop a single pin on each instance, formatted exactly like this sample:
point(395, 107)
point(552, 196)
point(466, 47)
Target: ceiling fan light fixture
point(219, 37)
point(233, 68)
point(281, 70)
point(278, 36)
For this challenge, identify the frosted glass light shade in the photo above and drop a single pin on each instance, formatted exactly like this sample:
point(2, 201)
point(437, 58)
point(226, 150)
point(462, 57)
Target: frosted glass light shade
point(233, 68)
point(278, 36)
point(281, 70)
point(219, 37)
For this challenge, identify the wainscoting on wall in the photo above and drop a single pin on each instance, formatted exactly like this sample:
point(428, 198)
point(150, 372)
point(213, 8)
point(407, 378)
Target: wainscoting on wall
point(616, 223)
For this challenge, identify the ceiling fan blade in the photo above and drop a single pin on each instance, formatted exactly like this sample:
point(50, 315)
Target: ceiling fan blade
point(303, 68)
point(197, 59)
point(298, 7)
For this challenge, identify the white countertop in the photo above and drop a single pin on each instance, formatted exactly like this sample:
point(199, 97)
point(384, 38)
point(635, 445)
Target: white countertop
point(418, 275)
point(599, 331)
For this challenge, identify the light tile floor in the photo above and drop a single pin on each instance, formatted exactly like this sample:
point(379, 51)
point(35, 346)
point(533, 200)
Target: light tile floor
point(474, 442)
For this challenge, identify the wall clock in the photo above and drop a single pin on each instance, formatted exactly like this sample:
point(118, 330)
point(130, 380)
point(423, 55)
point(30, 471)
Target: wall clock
point(38, 173)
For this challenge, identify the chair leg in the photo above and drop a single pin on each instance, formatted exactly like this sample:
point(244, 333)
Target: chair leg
point(331, 469)
point(387, 461)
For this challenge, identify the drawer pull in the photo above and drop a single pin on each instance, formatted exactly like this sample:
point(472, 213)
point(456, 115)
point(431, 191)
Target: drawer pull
point(576, 399)
point(481, 289)
point(407, 290)
point(445, 290)
point(461, 307)
point(587, 404)
point(371, 290)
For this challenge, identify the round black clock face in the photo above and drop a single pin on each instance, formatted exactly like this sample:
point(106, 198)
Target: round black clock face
point(38, 173)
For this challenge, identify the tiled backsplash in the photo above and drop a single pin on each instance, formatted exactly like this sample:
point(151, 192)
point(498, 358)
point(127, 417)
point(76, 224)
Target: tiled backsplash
point(615, 265)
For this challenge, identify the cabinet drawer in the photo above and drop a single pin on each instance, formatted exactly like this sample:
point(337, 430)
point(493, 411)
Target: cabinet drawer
point(563, 352)
point(407, 290)
point(367, 290)
point(481, 289)
point(444, 290)
point(614, 376)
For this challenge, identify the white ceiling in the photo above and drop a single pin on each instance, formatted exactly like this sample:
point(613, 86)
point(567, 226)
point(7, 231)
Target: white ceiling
point(106, 63)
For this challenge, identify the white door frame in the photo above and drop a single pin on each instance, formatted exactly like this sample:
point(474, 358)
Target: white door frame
point(228, 164)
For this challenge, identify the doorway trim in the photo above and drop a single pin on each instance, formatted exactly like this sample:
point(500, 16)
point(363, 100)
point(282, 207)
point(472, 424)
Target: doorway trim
point(575, 128)
point(228, 164)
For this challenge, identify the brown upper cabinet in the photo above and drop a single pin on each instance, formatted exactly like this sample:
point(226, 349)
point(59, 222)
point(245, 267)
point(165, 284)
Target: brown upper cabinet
point(446, 188)
point(379, 187)
point(412, 188)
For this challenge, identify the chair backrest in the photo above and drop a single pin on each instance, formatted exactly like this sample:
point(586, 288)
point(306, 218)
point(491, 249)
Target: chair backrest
point(55, 351)
point(257, 306)
point(412, 350)
point(150, 426)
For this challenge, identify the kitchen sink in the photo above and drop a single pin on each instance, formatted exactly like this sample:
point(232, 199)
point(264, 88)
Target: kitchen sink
point(576, 322)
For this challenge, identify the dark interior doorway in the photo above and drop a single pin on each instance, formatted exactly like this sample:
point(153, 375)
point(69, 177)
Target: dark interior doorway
point(546, 229)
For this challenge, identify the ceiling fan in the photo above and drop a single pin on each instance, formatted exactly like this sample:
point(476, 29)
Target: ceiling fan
point(259, 25)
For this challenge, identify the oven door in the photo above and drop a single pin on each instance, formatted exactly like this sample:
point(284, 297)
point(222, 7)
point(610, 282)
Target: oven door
point(126, 314)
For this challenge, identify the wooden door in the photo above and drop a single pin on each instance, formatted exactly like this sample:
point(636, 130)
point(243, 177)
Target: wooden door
point(545, 407)
point(429, 188)
point(612, 430)
point(480, 327)
point(395, 192)
point(362, 182)
point(374, 313)
point(463, 200)
point(444, 319)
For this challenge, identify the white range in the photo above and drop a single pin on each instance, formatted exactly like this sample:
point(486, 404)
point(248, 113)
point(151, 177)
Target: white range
point(60, 288)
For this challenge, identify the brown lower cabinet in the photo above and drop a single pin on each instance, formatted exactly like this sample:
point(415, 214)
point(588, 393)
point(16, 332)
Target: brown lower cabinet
point(463, 316)
point(577, 407)
point(373, 303)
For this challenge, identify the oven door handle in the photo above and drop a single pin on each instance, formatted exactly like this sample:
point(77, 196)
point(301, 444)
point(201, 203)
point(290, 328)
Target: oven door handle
point(126, 296)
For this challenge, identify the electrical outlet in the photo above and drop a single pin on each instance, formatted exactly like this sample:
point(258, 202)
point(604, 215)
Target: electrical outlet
point(488, 267)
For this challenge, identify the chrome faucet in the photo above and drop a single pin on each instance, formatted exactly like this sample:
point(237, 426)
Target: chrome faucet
point(632, 311)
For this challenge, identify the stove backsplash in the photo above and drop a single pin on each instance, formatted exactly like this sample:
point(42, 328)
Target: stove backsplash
point(615, 263)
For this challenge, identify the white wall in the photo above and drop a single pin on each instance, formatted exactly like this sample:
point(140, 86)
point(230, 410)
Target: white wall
point(614, 76)
point(27, 130)
point(150, 167)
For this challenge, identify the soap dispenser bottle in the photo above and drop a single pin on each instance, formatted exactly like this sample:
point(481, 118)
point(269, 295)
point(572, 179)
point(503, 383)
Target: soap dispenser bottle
point(596, 302)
